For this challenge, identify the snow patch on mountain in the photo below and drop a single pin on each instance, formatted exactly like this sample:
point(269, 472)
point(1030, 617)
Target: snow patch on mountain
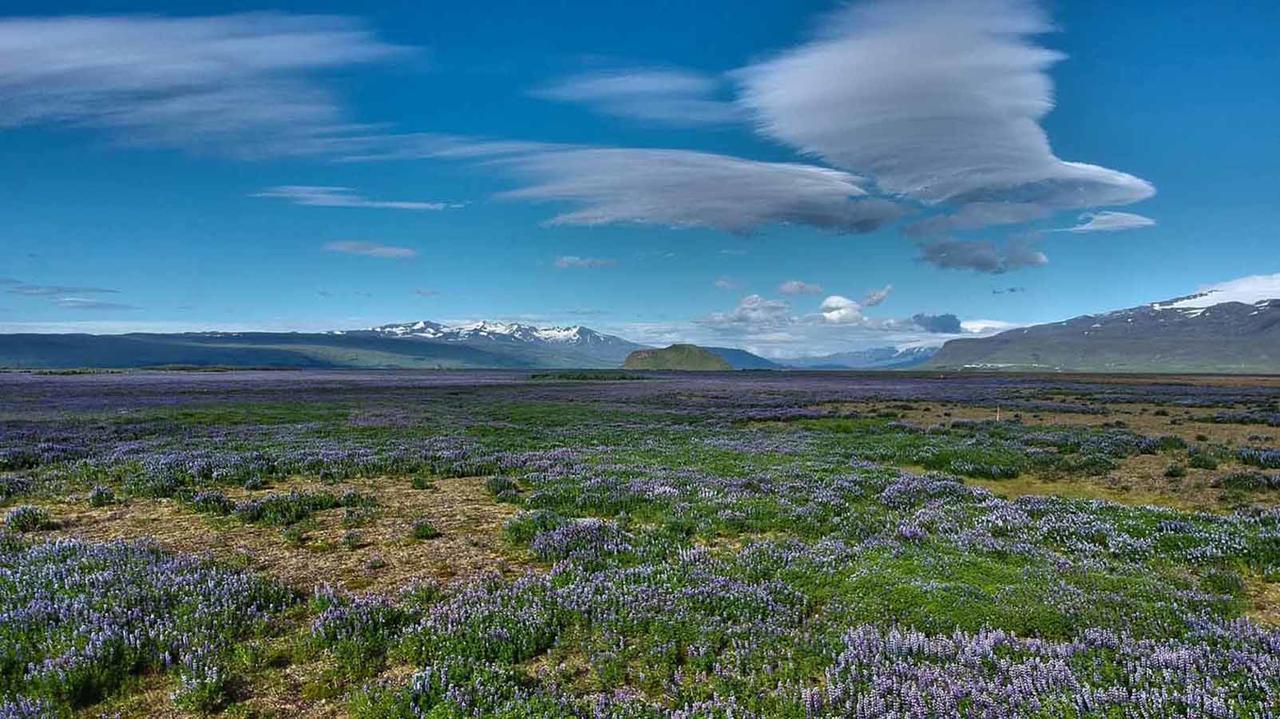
point(1252, 290)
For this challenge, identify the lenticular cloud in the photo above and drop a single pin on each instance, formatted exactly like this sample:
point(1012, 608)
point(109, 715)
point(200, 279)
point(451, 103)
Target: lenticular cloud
point(681, 188)
point(937, 100)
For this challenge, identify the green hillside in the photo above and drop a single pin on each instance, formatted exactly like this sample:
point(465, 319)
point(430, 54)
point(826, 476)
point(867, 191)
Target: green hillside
point(677, 357)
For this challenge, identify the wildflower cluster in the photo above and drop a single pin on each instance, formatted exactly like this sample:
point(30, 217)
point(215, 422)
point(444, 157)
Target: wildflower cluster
point(78, 619)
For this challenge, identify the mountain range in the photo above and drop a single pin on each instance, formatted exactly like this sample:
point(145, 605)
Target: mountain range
point(415, 345)
point(574, 346)
point(1231, 328)
point(874, 358)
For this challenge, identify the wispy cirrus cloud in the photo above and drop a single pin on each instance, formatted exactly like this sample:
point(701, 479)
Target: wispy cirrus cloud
point(663, 95)
point(29, 290)
point(424, 292)
point(85, 303)
point(371, 249)
point(982, 255)
point(939, 101)
point(877, 297)
point(71, 297)
point(377, 147)
point(326, 196)
point(1109, 222)
point(568, 262)
point(240, 84)
point(724, 282)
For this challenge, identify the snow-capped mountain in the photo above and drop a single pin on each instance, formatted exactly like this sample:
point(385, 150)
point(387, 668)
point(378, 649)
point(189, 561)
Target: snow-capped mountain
point(874, 358)
point(1230, 327)
point(485, 329)
point(573, 346)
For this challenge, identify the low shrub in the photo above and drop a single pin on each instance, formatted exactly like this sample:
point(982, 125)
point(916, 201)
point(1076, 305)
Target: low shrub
point(424, 529)
point(27, 519)
point(101, 496)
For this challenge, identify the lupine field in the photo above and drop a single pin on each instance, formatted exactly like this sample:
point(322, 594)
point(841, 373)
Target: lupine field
point(499, 544)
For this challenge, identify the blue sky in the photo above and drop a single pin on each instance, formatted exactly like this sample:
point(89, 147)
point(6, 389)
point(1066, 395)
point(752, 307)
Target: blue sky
point(653, 169)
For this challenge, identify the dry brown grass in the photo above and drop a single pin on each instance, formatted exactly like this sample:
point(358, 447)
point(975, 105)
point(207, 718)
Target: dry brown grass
point(1141, 418)
point(1139, 480)
point(385, 559)
point(1264, 601)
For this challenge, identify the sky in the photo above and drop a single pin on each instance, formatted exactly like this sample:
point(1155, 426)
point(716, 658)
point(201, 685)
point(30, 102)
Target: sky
point(792, 176)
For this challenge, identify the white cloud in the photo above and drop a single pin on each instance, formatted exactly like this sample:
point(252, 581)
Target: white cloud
point(321, 196)
point(770, 327)
point(985, 327)
point(1109, 222)
point(371, 249)
point(682, 188)
point(799, 287)
point(566, 262)
point(725, 283)
point(982, 255)
point(753, 311)
point(841, 310)
point(795, 336)
point(668, 96)
point(937, 100)
point(244, 84)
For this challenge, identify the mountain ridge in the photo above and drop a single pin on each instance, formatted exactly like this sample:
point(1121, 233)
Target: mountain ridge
point(477, 345)
point(1229, 328)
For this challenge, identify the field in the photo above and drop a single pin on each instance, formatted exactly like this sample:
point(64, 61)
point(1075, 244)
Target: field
point(382, 545)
